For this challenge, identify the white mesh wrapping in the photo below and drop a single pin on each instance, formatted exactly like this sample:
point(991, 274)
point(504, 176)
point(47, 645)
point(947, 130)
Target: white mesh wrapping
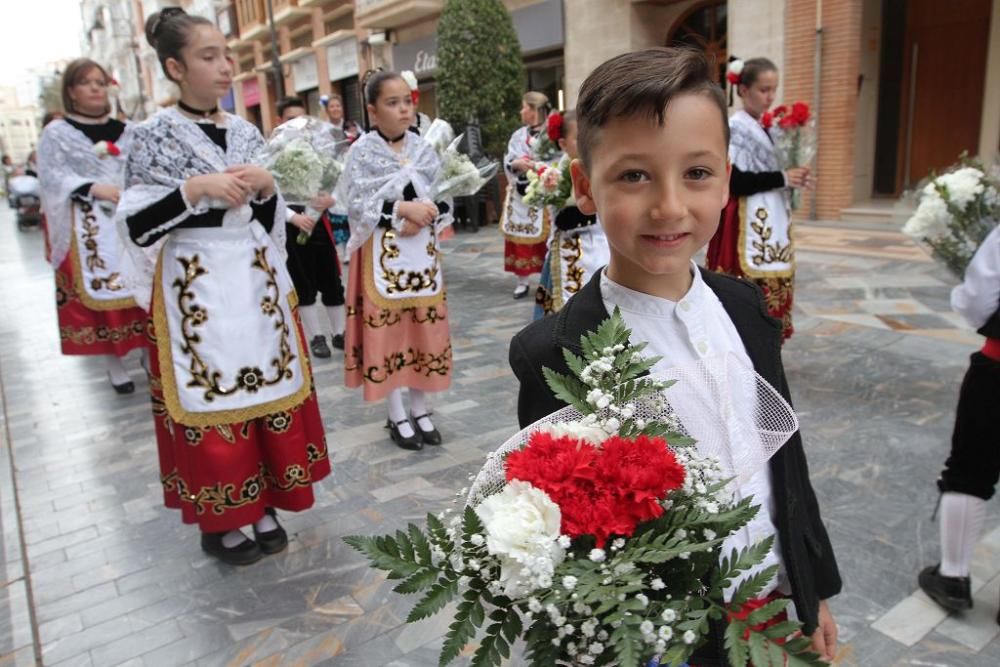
point(732, 412)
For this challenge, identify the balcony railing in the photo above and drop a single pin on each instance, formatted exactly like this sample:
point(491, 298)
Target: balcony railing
point(376, 14)
point(251, 15)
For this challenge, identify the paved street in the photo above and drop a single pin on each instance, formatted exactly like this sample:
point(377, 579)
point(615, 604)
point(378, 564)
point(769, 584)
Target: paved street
point(97, 572)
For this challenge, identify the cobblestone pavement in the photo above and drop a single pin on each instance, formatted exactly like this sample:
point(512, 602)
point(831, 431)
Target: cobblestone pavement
point(97, 572)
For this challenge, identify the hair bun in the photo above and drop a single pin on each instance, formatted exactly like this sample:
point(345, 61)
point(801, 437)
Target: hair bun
point(156, 21)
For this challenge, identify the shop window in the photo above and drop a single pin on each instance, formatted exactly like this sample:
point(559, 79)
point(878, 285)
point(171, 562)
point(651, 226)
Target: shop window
point(704, 27)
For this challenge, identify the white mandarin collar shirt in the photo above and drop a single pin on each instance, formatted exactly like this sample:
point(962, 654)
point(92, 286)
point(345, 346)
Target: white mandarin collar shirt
point(686, 331)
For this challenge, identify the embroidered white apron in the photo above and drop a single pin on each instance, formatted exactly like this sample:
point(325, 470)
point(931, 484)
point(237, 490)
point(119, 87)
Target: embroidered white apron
point(226, 335)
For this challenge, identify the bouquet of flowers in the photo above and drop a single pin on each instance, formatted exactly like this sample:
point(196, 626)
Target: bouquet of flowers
point(595, 535)
point(795, 137)
point(957, 211)
point(549, 186)
point(440, 135)
point(458, 176)
point(300, 155)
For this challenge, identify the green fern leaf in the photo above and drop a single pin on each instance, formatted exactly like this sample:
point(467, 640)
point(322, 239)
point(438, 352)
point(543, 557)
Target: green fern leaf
point(440, 594)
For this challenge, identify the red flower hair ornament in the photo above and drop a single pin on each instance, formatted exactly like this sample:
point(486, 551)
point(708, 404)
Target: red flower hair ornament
point(554, 127)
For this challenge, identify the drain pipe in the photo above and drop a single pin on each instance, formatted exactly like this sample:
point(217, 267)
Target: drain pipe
point(818, 97)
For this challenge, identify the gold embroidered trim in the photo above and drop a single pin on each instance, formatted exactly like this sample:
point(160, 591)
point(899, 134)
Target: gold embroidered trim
point(112, 282)
point(529, 232)
point(765, 252)
point(201, 375)
point(368, 269)
point(102, 334)
point(222, 497)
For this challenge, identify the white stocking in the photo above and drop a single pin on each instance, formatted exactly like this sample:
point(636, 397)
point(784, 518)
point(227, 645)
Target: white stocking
point(397, 413)
point(233, 538)
point(961, 524)
point(116, 370)
point(338, 318)
point(418, 406)
point(310, 321)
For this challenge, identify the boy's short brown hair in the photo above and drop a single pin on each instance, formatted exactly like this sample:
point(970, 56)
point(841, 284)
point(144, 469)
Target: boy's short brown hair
point(642, 84)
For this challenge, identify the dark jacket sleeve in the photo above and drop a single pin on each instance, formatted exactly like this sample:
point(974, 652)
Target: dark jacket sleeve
point(746, 183)
point(826, 573)
point(529, 353)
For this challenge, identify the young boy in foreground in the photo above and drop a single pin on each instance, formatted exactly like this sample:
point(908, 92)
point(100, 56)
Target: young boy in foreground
point(653, 138)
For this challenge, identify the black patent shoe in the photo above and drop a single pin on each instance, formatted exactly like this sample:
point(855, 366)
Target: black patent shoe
point(520, 291)
point(431, 437)
point(124, 388)
point(245, 553)
point(319, 348)
point(338, 341)
point(414, 442)
point(271, 541)
point(952, 593)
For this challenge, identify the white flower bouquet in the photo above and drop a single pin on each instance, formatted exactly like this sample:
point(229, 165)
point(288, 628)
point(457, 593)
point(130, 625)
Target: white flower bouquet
point(957, 211)
point(301, 156)
point(458, 176)
point(595, 535)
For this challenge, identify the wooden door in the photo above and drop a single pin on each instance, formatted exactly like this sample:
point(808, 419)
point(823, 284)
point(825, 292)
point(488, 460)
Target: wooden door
point(944, 70)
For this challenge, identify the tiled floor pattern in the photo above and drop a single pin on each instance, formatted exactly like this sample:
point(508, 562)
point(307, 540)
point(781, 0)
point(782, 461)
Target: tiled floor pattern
point(115, 578)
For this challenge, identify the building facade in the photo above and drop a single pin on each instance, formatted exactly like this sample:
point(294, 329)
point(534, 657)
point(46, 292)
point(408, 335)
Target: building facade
point(19, 125)
point(899, 87)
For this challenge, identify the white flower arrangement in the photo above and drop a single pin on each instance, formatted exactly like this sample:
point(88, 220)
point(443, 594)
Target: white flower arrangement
point(957, 210)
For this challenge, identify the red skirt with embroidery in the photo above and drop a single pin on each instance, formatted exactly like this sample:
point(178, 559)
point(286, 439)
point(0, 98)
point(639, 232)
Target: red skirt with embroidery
point(83, 330)
point(222, 477)
point(524, 259)
point(723, 257)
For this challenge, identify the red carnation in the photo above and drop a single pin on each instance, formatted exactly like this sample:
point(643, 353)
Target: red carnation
point(113, 150)
point(767, 120)
point(553, 127)
point(552, 463)
point(641, 471)
point(600, 492)
point(733, 78)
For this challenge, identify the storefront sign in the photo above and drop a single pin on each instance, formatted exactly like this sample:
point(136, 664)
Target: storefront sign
point(342, 59)
point(305, 73)
point(251, 92)
point(539, 27)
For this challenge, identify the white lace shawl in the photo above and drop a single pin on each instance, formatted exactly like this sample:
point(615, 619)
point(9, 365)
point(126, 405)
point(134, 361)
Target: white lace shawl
point(750, 149)
point(167, 150)
point(67, 161)
point(374, 173)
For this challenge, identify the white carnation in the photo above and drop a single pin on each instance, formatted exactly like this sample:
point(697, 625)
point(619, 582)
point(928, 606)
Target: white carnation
point(576, 430)
point(522, 531)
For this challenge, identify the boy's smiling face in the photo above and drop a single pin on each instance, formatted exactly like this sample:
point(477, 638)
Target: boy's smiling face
point(658, 191)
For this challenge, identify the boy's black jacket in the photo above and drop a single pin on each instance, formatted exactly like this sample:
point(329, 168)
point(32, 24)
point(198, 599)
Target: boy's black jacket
point(805, 547)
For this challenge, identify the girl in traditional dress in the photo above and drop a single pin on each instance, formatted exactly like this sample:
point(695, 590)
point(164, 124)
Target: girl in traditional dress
point(80, 161)
point(397, 316)
point(525, 228)
point(237, 425)
point(754, 237)
point(579, 248)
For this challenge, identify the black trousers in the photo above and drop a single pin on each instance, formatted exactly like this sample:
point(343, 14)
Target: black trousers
point(314, 267)
point(973, 467)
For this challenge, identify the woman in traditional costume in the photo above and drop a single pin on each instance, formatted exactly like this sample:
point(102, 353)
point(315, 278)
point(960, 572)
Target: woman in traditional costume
point(237, 424)
point(579, 248)
point(525, 227)
point(754, 237)
point(397, 316)
point(81, 160)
